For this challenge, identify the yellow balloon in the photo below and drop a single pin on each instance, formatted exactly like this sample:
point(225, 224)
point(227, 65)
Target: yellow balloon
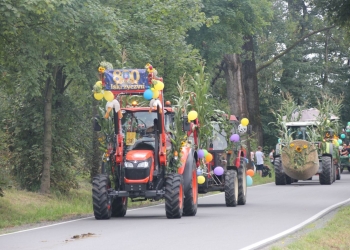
point(98, 83)
point(155, 94)
point(159, 85)
point(335, 142)
point(200, 179)
point(192, 115)
point(98, 96)
point(245, 122)
point(108, 95)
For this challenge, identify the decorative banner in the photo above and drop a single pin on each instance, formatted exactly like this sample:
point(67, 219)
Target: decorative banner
point(125, 79)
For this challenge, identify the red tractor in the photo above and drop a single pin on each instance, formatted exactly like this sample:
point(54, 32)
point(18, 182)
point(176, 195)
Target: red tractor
point(141, 155)
point(232, 179)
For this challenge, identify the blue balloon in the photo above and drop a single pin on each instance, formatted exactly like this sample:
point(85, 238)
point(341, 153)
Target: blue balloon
point(340, 141)
point(199, 172)
point(342, 136)
point(249, 181)
point(148, 94)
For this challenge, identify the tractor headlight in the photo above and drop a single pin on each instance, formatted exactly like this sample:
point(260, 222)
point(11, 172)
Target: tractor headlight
point(128, 164)
point(143, 164)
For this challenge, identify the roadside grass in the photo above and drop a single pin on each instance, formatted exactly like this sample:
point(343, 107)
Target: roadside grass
point(19, 207)
point(332, 236)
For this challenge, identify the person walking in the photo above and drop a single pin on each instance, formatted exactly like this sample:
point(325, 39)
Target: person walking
point(252, 160)
point(259, 155)
point(272, 159)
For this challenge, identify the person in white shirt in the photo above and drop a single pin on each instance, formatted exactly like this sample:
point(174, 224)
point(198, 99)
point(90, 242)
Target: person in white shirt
point(271, 156)
point(259, 155)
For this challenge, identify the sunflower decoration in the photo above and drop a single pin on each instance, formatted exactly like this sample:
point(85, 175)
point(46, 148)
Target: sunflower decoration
point(291, 145)
point(327, 135)
point(298, 149)
point(305, 146)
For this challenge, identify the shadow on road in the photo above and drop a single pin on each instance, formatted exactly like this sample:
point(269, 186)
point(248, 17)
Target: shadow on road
point(211, 205)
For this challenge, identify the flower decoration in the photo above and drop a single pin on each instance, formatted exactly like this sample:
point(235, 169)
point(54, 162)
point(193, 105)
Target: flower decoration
point(305, 146)
point(101, 70)
point(298, 149)
point(291, 145)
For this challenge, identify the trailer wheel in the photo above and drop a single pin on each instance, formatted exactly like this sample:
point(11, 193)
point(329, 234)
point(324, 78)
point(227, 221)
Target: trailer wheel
point(174, 197)
point(242, 183)
point(280, 177)
point(231, 188)
point(191, 194)
point(119, 206)
point(326, 175)
point(100, 198)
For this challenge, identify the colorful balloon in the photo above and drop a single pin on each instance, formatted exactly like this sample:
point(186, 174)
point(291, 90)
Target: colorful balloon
point(245, 122)
point(109, 96)
point(340, 141)
point(205, 152)
point(234, 138)
point(242, 129)
point(192, 115)
point(159, 85)
point(249, 181)
point(155, 94)
point(250, 172)
point(218, 170)
point(98, 96)
point(199, 172)
point(200, 179)
point(200, 154)
point(148, 94)
point(342, 136)
point(208, 157)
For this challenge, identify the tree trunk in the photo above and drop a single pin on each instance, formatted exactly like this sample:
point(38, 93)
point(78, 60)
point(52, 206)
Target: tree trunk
point(235, 90)
point(45, 178)
point(250, 83)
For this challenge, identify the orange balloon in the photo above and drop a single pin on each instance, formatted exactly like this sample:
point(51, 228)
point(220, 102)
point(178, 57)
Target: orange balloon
point(250, 172)
point(209, 157)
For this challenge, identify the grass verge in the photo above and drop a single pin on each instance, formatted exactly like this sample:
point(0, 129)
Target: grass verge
point(332, 236)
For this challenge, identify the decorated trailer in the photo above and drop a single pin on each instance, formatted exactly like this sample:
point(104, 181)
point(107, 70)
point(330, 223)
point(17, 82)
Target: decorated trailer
point(310, 147)
point(143, 162)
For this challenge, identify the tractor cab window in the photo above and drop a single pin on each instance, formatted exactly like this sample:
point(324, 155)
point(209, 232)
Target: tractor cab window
point(298, 133)
point(219, 138)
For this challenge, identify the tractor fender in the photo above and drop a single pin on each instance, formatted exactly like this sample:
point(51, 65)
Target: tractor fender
point(187, 159)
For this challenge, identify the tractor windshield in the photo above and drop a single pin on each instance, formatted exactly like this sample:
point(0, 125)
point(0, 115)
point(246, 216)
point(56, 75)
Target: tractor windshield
point(140, 125)
point(298, 133)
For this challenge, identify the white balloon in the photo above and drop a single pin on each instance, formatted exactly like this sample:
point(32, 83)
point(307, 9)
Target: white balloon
point(242, 129)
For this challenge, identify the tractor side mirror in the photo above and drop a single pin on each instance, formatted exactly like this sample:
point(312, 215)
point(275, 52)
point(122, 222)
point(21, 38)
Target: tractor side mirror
point(185, 124)
point(97, 126)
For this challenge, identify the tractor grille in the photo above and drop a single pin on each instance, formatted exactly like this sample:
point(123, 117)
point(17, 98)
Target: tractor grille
point(136, 173)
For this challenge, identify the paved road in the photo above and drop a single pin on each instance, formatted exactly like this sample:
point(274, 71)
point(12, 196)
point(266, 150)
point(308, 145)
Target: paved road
point(269, 211)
